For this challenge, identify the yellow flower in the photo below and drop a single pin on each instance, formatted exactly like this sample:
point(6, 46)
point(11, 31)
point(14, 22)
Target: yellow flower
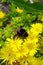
point(12, 44)
point(15, 45)
point(19, 10)
point(23, 51)
point(28, 60)
point(31, 46)
point(16, 42)
point(2, 14)
point(7, 54)
point(32, 38)
point(10, 51)
point(36, 28)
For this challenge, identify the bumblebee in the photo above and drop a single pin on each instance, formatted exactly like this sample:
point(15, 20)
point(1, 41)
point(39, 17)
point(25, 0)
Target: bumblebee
point(20, 32)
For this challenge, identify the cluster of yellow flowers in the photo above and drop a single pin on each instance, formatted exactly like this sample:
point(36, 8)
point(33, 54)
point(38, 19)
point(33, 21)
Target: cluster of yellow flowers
point(23, 51)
